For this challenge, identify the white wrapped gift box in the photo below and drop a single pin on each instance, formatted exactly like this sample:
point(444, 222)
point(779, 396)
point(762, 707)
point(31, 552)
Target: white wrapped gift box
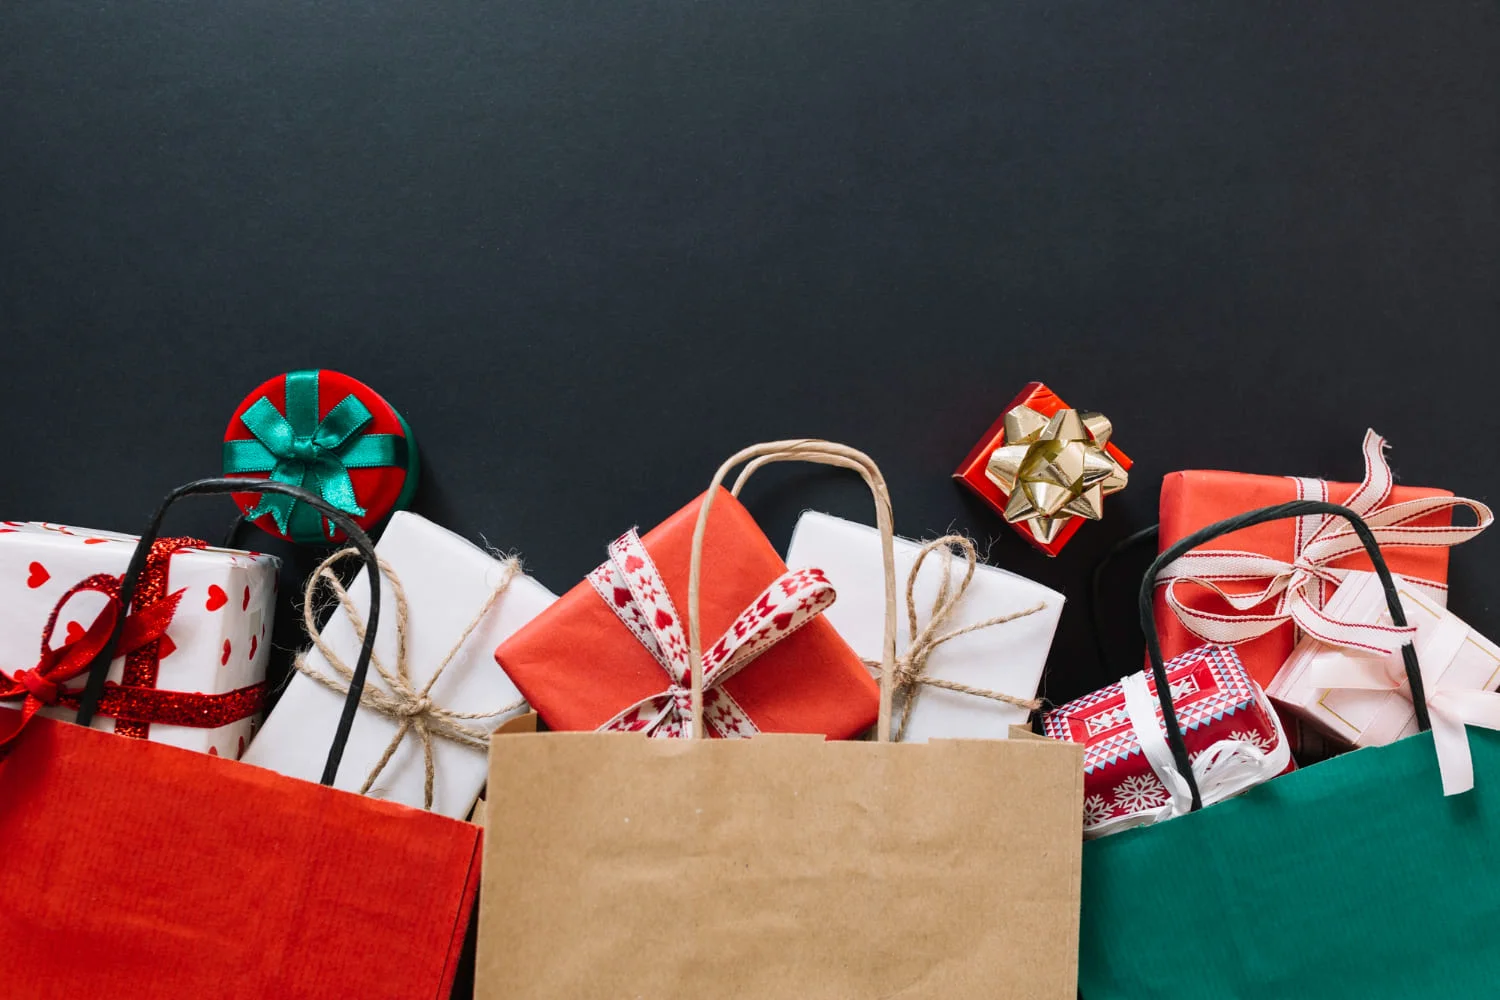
point(1007, 658)
point(1453, 657)
point(447, 581)
point(217, 642)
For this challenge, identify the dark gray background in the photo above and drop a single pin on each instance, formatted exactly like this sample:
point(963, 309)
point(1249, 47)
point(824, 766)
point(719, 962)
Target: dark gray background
point(590, 248)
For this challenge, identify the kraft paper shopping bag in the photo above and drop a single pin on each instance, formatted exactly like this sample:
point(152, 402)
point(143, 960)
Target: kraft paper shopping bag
point(780, 866)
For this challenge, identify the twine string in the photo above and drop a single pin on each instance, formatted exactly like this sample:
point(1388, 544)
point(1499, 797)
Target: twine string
point(410, 706)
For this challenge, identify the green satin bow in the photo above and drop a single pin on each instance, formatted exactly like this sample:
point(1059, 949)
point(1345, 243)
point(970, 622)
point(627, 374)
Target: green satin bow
point(301, 450)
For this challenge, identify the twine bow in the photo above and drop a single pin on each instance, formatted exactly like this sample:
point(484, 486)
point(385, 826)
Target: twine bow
point(911, 666)
point(302, 450)
point(1298, 585)
point(410, 706)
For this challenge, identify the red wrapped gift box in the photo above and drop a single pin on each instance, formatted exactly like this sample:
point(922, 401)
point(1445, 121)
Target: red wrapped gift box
point(580, 666)
point(1216, 704)
point(1412, 524)
point(328, 432)
point(973, 471)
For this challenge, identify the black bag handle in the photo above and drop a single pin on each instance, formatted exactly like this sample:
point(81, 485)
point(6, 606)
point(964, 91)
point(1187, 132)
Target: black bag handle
point(88, 704)
point(1294, 508)
point(1094, 596)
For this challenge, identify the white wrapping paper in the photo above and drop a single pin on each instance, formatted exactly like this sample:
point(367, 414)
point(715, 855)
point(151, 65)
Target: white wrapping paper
point(1008, 657)
point(218, 636)
point(447, 581)
point(1453, 657)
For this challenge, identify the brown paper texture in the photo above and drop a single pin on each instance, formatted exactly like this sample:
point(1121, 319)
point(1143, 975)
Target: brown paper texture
point(520, 724)
point(780, 867)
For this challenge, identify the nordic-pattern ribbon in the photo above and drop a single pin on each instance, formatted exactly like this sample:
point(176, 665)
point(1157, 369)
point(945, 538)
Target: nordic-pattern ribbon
point(1301, 586)
point(300, 449)
point(631, 585)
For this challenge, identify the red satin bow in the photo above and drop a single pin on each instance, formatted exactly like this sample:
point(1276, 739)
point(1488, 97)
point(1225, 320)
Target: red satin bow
point(43, 684)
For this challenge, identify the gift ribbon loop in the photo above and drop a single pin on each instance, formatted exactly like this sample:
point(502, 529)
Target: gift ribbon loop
point(1450, 710)
point(299, 449)
point(1299, 586)
point(1304, 510)
point(411, 706)
point(1221, 771)
point(44, 683)
point(631, 585)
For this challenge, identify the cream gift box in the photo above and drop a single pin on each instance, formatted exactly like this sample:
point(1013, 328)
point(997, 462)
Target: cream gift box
point(1006, 658)
point(216, 643)
point(447, 581)
point(1453, 657)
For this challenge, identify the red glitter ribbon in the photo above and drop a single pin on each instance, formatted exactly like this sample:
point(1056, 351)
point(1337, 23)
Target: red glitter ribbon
point(136, 703)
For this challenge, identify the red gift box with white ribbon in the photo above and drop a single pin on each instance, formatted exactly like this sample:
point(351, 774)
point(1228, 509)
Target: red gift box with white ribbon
point(1262, 588)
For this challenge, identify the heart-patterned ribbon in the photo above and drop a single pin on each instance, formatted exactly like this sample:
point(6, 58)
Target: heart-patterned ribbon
point(300, 449)
point(136, 703)
point(632, 587)
point(1298, 586)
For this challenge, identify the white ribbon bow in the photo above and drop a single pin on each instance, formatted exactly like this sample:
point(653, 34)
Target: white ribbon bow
point(1322, 540)
point(633, 588)
point(1449, 709)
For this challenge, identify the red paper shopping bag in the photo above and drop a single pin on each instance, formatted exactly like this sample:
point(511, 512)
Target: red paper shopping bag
point(139, 870)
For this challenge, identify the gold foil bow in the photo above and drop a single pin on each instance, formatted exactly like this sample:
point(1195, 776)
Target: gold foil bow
point(1055, 469)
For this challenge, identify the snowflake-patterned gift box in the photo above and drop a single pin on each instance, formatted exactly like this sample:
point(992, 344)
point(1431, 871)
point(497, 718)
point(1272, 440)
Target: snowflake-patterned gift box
point(1216, 704)
point(209, 664)
point(592, 656)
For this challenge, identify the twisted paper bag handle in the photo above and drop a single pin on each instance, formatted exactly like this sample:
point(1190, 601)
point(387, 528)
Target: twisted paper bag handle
point(411, 707)
point(822, 453)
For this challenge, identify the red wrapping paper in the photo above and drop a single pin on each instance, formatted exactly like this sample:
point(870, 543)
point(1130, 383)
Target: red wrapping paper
point(1195, 499)
point(380, 489)
point(579, 666)
point(1214, 700)
point(136, 869)
point(972, 471)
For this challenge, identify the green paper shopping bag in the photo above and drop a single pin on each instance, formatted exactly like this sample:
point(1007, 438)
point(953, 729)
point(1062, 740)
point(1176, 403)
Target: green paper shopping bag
point(1353, 878)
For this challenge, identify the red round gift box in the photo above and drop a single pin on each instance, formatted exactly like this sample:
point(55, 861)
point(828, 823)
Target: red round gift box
point(380, 490)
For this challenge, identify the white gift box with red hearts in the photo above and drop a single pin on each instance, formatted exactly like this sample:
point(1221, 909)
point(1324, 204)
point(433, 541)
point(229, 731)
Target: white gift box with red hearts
point(446, 581)
point(217, 642)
